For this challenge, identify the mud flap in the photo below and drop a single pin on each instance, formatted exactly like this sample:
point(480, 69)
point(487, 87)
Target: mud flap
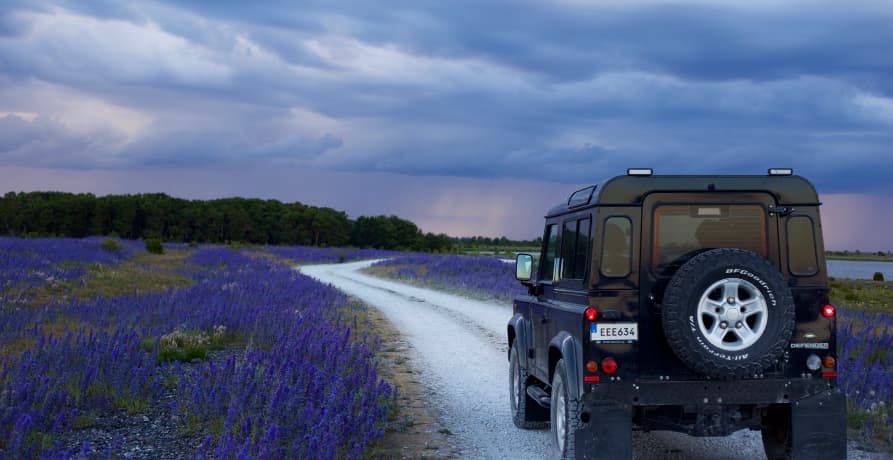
point(607, 432)
point(818, 426)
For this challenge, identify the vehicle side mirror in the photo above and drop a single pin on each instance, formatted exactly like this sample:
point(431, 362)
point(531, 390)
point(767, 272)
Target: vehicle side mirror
point(523, 267)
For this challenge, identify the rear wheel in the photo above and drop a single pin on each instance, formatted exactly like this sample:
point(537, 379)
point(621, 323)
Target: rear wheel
point(526, 413)
point(565, 414)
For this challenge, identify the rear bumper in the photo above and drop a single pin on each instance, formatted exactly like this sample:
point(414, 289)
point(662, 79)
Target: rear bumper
point(817, 428)
point(707, 392)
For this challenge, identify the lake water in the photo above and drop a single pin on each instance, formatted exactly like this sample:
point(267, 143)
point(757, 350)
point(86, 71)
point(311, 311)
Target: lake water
point(859, 269)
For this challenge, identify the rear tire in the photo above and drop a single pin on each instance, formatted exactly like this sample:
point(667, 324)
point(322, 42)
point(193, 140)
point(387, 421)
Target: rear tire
point(526, 413)
point(565, 413)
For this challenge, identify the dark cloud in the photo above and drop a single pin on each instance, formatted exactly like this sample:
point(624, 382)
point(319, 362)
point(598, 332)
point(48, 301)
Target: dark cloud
point(186, 148)
point(699, 41)
point(523, 89)
point(16, 132)
point(45, 142)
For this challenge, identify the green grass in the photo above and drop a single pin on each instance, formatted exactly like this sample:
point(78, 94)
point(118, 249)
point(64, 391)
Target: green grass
point(864, 295)
point(871, 427)
point(139, 274)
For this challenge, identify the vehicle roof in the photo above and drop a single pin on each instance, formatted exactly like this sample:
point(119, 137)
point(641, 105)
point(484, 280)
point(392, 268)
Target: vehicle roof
point(631, 190)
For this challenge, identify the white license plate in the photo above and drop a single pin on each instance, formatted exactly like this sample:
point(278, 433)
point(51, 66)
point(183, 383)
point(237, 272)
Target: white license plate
point(614, 332)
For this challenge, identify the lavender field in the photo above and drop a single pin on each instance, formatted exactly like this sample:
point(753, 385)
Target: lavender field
point(251, 360)
point(865, 339)
point(479, 276)
point(316, 255)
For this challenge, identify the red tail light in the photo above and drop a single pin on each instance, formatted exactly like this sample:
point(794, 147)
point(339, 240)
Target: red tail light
point(609, 366)
point(828, 311)
point(591, 314)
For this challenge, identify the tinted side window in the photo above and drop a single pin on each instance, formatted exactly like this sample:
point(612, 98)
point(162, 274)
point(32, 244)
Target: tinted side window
point(582, 254)
point(801, 246)
point(681, 230)
point(575, 249)
point(617, 247)
point(568, 241)
point(550, 253)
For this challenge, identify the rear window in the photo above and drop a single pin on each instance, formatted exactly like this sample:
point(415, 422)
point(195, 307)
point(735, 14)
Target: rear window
point(801, 246)
point(617, 247)
point(680, 231)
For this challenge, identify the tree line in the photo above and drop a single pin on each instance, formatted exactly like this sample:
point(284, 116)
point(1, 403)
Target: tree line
point(226, 220)
point(497, 242)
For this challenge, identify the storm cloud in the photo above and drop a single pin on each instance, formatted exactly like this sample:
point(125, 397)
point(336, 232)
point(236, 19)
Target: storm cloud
point(468, 89)
point(566, 91)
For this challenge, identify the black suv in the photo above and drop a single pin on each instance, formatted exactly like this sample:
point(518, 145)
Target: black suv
point(696, 304)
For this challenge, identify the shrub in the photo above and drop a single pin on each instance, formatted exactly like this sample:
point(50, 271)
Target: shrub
point(154, 246)
point(183, 345)
point(878, 276)
point(111, 245)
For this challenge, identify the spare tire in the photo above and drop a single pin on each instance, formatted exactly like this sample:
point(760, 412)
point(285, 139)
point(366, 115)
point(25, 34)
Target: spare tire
point(728, 313)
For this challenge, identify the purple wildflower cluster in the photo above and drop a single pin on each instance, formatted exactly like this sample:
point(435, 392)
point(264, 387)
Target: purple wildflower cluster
point(476, 275)
point(27, 263)
point(291, 381)
point(865, 347)
point(312, 254)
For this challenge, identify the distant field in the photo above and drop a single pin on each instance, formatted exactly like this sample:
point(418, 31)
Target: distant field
point(860, 256)
point(109, 351)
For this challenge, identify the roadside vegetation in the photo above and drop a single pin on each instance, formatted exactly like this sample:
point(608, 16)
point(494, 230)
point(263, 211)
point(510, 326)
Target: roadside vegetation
point(235, 356)
point(299, 255)
point(865, 329)
point(474, 276)
point(863, 295)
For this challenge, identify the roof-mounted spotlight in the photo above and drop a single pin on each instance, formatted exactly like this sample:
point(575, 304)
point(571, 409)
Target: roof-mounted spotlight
point(639, 172)
point(781, 171)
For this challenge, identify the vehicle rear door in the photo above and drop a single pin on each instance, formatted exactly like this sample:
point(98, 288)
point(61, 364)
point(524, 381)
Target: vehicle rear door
point(678, 226)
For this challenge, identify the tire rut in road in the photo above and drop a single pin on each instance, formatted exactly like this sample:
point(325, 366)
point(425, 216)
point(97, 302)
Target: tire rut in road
point(469, 322)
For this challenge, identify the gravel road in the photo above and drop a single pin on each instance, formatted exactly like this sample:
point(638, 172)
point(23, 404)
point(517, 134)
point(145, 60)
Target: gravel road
point(459, 349)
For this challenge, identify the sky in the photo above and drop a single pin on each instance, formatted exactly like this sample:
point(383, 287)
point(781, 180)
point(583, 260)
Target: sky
point(467, 117)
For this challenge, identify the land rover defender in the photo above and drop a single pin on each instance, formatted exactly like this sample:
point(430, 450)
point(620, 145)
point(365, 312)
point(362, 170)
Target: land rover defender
point(696, 304)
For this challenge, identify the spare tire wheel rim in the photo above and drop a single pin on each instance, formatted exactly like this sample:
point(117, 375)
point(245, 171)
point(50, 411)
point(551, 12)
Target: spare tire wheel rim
point(732, 314)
